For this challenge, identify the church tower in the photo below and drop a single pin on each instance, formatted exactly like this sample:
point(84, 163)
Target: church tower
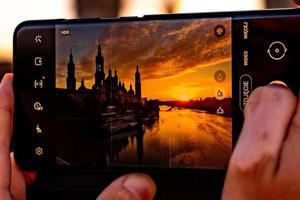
point(99, 74)
point(109, 78)
point(71, 80)
point(82, 87)
point(109, 72)
point(130, 91)
point(116, 79)
point(138, 87)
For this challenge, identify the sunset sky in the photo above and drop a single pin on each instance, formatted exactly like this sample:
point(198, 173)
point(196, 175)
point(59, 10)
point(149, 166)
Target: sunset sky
point(177, 59)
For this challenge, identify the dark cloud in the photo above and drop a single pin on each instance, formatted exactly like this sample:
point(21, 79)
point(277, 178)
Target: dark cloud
point(160, 48)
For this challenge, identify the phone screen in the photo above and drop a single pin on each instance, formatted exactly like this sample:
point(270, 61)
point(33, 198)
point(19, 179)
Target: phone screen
point(154, 93)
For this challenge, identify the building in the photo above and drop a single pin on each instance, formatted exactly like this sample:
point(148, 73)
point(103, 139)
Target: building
point(110, 91)
point(138, 87)
point(71, 80)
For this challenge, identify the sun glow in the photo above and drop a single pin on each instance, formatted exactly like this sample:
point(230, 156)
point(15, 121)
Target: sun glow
point(183, 97)
point(182, 93)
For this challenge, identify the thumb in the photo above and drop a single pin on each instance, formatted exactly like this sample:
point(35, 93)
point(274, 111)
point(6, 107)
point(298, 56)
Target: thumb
point(130, 187)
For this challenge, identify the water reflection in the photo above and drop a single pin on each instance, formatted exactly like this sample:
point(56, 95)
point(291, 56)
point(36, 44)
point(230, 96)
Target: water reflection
point(178, 138)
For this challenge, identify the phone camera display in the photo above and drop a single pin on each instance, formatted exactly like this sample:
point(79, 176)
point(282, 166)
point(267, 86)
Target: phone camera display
point(144, 94)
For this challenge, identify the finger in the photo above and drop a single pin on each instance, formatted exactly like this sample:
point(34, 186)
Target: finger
point(20, 179)
point(297, 2)
point(6, 109)
point(267, 117)
point(290, 162)
point(6, 106)
point(18, 185)
point(131, 186)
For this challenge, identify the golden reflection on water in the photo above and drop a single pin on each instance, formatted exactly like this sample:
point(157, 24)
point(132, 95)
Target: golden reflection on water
point(182, 138)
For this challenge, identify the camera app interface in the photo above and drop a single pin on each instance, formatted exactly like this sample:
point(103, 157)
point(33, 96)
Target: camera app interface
point(147, 94)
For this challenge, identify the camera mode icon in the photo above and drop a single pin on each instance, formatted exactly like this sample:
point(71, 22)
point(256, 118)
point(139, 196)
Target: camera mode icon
point(220, 111)
point(38, 61)
point(220, 76)
point(220, 94)
point(38, 106)
point(38, 129)
point(38, 84)
point(38, 39)
point(39, 151)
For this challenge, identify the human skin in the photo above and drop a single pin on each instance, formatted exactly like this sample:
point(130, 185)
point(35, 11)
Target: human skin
point(265, 162)
point(13, 180)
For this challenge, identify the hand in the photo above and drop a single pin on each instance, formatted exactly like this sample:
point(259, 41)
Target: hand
point(265, 163)
point(13, 180)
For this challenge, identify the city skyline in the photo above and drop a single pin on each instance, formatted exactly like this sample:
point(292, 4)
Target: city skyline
point(172, 62)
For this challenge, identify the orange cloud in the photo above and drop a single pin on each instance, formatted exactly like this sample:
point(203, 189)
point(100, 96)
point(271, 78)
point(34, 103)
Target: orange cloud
point(165, 50)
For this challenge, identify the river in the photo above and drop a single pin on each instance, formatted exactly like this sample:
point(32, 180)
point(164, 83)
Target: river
point(181, 138)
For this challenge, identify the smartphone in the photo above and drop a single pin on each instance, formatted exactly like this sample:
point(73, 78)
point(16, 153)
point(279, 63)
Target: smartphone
point(157, 93)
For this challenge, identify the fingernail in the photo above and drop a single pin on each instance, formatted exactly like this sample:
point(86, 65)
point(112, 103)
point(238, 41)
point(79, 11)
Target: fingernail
point(6, 82)
point(279, 84)
point(140, 184)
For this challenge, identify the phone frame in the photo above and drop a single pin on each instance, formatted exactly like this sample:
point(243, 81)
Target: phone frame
point(212, 177)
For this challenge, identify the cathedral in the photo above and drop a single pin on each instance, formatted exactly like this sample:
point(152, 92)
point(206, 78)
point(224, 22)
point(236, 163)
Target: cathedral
point(109, 89)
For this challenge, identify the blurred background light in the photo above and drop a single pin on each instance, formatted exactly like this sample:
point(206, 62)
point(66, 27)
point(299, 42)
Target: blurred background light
point(219, 5)
point(140, 7)
point(12, 12)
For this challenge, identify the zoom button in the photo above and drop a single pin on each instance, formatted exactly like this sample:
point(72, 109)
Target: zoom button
point(246, 87)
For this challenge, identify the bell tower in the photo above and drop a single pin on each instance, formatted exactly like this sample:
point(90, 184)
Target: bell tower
point(138, 87)
point(71, 80)
point(99, 73)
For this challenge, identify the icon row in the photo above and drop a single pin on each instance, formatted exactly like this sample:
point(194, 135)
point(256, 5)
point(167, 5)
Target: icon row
point(277, 49)
point(220, 77)
point(39, 150)
point(38, 83)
